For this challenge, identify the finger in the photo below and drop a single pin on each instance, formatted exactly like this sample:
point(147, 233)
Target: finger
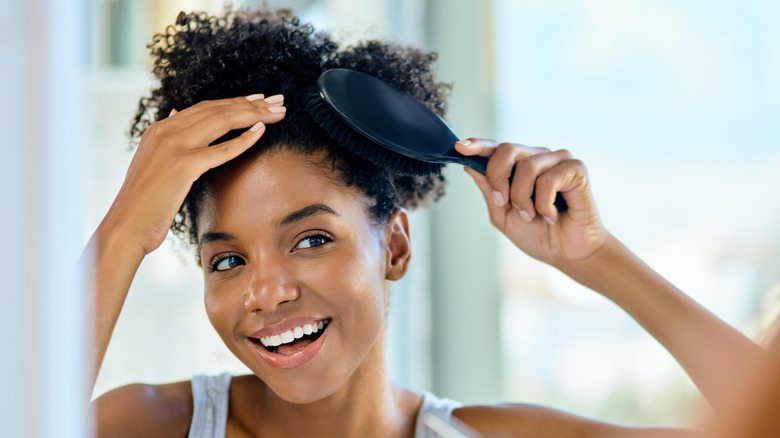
point(254, 97)
point(257, 100)
point(275, 100)
point(173, 111)
point(219, 120)
point(476, 146)
point(205, 104)
point(527, 169)
point(501, 165)
point(567, 178)
point(495, 212)
point(221, 153)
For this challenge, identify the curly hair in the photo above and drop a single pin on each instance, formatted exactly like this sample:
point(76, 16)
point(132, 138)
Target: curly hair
point(242, 52)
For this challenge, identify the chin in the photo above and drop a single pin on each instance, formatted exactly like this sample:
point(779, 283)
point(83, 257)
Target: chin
point(303, 391)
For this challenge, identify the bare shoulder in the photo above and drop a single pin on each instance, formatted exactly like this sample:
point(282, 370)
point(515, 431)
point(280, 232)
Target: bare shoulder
point(515, 420)
point(140, 410)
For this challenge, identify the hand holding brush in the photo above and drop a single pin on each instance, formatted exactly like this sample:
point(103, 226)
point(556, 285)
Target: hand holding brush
point(388, 127)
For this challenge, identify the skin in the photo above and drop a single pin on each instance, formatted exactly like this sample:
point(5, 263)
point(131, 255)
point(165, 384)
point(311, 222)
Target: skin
point(284, 269)
point(754, 402)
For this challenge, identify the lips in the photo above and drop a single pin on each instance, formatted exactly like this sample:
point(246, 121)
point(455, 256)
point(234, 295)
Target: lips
point(291, 343)
point(311, 331)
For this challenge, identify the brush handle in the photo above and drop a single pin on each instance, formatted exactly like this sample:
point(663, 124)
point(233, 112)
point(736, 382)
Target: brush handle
point(480, 165)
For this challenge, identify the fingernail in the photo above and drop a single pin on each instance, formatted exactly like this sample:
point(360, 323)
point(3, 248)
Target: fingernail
point(465, 142)
point(173, 111)
point(274, 99)
point(524, 214)
point(498, 198)
point(277, 109)
point(253, 97)
point(256, 126)
point(549, 220)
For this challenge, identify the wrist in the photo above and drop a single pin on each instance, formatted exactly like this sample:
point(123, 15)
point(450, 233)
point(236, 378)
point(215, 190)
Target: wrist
point(115, 242)
point(597, 268)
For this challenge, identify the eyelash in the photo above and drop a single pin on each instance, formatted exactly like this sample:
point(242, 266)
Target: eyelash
point(212, 267)
point(219, 259)
point(318, 234)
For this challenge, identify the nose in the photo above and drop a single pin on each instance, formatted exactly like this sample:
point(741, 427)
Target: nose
point(269, 287)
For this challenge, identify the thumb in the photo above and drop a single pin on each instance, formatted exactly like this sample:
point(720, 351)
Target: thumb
point(476, 146)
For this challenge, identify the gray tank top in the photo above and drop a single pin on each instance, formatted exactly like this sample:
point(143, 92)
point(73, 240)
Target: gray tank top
point(210, 394)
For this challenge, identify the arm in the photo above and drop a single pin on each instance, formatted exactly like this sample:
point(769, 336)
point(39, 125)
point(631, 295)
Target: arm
point(140, 410)
point(713, 353)
point(524, 421)
point(753, 404)
point(576, 243)
point(172, 154)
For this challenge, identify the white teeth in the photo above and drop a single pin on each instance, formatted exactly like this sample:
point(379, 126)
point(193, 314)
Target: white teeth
point(291, 335)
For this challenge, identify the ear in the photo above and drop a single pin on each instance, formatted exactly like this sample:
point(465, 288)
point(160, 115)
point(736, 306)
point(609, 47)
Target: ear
point(398, 245)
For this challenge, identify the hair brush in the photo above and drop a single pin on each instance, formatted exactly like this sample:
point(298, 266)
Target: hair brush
point(388, 127)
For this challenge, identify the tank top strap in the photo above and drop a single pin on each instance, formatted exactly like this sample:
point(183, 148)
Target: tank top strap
point(210, 395)
point(431, 403)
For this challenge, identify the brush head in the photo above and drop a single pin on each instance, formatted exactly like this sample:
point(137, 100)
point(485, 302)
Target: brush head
point(388, 127)
point(352, 140)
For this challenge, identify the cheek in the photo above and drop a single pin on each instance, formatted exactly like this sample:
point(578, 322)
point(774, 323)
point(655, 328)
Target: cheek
point(368, 279)
point(219, 311)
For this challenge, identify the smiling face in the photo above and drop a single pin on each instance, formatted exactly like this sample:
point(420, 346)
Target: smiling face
point(296, 273)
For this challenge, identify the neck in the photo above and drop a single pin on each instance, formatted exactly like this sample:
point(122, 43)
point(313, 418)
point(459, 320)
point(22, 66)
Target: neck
point(368, 404)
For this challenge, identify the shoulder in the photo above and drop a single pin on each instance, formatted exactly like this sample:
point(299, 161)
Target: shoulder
point(532, 420)
point(145, 410)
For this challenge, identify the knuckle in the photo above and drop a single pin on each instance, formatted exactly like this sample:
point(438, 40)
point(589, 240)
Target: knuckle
point(506, 147)
point(545, 180)
point(151, 130)
point(219, 112)
point(203, 104)
point(577, 164)
point(518, 200)
point(495, 182)
point(528, 165)
point(565, 153)
point(167, 143)
point(157, 129)
point(224, 148)
point(542, 150)
point(160, 128)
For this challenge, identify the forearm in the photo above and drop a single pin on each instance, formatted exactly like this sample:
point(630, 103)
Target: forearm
point(712, 352)
point(112, 264)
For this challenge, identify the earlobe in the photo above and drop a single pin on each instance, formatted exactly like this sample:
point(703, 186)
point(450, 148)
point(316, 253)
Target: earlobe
point(398, 244)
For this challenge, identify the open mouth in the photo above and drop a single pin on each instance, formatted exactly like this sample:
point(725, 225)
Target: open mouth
point(293, 340)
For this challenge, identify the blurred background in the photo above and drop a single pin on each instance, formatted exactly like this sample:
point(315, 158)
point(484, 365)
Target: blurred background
point(674, 107)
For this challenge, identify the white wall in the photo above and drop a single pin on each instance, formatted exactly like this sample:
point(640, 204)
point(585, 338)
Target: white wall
point(42, 311)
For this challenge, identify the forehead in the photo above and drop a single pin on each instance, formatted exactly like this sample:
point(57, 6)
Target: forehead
point(269, 186)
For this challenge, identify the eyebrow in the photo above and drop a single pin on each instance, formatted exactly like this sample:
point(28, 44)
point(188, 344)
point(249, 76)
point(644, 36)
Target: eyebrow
point(305, 212)
point(214, 237)
point(291, 218)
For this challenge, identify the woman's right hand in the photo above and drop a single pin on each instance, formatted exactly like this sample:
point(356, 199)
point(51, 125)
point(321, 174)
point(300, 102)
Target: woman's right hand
point(173, 153)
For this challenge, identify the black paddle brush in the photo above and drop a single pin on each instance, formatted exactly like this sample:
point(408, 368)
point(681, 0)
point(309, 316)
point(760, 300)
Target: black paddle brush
point(388, 127)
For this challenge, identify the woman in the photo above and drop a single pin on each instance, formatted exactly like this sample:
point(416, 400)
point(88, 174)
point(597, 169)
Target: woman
point(299, 239)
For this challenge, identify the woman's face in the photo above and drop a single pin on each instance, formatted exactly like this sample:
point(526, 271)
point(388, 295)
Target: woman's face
point(296, 273)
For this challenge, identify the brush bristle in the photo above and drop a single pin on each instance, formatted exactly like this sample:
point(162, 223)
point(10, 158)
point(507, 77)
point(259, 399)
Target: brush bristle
point(354, 141)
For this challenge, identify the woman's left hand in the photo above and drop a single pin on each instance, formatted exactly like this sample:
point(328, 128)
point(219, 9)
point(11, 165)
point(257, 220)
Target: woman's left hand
point(537, 228)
